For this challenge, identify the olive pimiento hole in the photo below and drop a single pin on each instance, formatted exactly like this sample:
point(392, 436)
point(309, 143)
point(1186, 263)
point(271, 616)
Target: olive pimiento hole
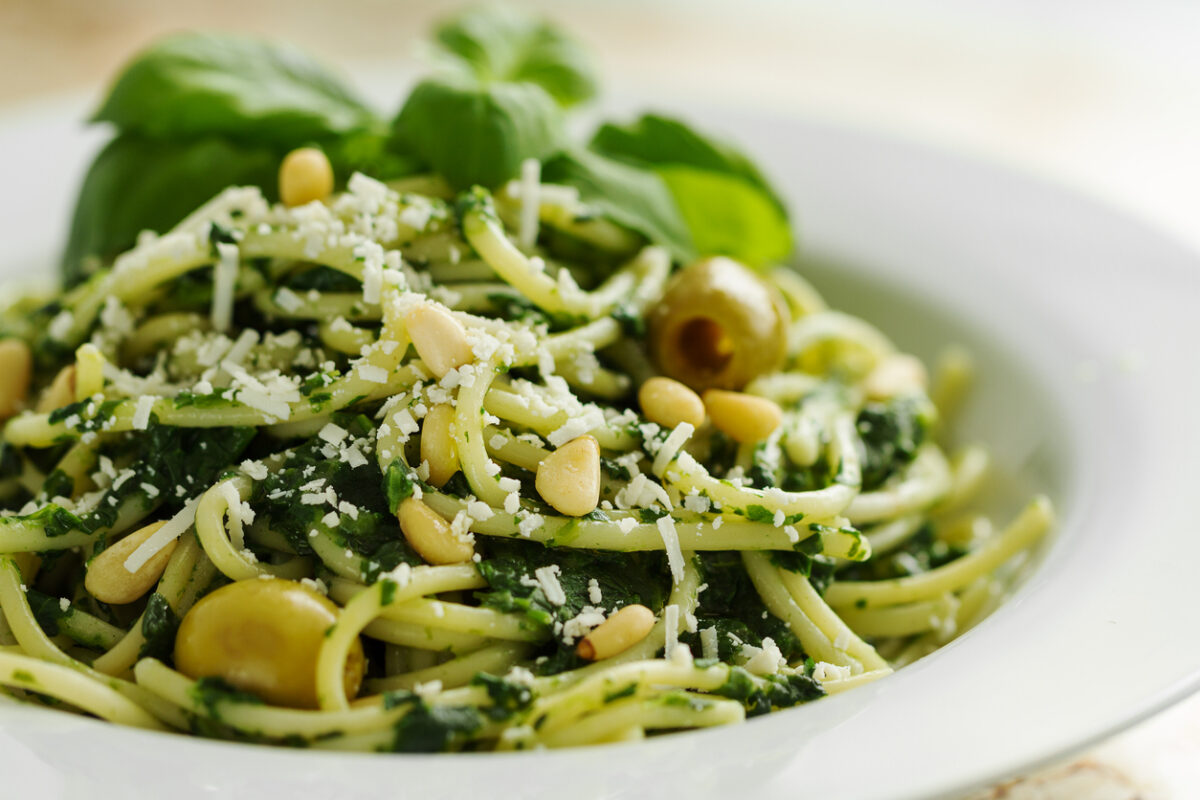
point(704, 345)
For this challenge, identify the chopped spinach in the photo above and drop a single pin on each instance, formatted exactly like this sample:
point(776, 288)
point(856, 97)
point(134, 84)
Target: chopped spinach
point(210, 692)
point(435, 729)
point(781, 691)
point(732, 606)
point(891, 434)
point(159, 626)
point(508, 697)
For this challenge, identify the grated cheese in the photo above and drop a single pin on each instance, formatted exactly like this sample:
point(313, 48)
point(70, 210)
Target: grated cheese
point(671, 624)
point(547, 578)
point(670, 537)
point(172, 530)
point(224, 278)
point(141, 412)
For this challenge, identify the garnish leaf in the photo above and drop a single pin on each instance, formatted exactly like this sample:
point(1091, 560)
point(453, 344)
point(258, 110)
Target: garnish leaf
point(632, 197)
point(504, 44)
point(138, 184)
point(196, 84)
point(728, 206)
point(472, 133)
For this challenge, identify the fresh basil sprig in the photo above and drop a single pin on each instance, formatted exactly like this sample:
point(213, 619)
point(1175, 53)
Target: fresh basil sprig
point(634, 198)
point(494, 43)
point(200, 83)
point(138, 184)
point(197, 112)
point(472, 132)
point(729, 207)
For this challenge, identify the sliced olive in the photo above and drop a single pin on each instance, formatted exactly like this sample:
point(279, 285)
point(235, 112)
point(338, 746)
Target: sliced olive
point(718, 326)
point(263, 636)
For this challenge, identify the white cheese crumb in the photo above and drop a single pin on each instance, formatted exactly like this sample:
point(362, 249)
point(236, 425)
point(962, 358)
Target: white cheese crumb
point(547, 578)
point(334, 434)
point(670, 537)
point(288, 300)
point(224, 278)
point(172, 530)
point(255, 470)
point(766, 660)
point(372, 373)
point(671, 624)
point(141, 412)
point(708, 643)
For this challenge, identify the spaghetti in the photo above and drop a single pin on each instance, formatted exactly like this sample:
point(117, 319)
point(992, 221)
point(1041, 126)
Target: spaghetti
point(376, 403)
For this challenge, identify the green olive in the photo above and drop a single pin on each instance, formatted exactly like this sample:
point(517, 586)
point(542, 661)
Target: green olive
point(718, 326)
point(263, 636)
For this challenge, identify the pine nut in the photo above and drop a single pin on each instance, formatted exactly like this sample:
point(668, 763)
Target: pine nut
point(668, 402)
point(430, 535)
point(437, 444)
point(742, 417)
point(895, 375)
point(569, 478)
point(109, 581)
point(60, 392)
point(16, 371)
point(89, 371)
point(616, 634)
point(304, 176)
point(440, 339)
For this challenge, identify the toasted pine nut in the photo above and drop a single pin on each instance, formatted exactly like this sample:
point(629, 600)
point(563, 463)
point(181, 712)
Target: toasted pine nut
point(430, 535)
point(60, 392)
point(305, 175)
point(440, 339)
point(109, 581)
point(437, 444)
point(743, 417)
point(616, 634)
point(569, 478)
point(16, 371)
point(668, 402)
point(89, 371)
point(897, 374)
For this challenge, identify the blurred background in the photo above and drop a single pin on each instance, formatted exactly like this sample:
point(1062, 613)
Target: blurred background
point(1102, 95)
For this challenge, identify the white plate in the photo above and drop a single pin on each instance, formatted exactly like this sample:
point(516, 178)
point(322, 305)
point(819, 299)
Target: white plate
point(1085, 326)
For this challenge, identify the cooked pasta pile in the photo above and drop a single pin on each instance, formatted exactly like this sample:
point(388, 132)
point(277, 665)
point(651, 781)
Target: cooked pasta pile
point(375, 474)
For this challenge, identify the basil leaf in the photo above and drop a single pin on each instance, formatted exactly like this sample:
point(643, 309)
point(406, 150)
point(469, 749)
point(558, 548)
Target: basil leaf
point(197, 84)
point(138, 184)
point(728, 205)
point(369, 152)
point(658, 141)
point(504, 44)
point(728, 216)
point(479, 134)
point(634, 198)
